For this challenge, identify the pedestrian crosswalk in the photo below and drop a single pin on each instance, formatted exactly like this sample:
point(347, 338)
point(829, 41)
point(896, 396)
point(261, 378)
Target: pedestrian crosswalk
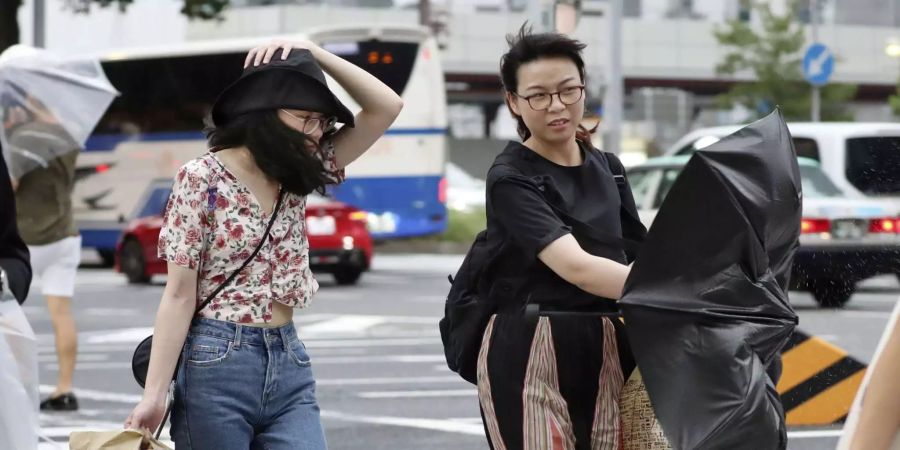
point(375, 349)
point(404, 349)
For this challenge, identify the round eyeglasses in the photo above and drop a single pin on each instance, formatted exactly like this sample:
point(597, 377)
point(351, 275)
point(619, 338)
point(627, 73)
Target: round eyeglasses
point(311, 123)
point(541, 102)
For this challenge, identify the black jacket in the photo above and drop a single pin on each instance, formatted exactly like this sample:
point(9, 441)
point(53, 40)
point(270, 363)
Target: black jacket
point(14, 258)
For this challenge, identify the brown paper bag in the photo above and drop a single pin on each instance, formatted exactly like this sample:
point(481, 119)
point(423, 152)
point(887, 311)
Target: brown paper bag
point(114, 440)
point(640, 428)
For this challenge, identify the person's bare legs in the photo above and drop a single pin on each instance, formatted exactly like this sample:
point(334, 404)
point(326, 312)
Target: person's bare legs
point(66, 341)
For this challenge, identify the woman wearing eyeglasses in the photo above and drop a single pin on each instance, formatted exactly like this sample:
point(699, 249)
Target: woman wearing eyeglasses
point(235, 239)
point(553, 357)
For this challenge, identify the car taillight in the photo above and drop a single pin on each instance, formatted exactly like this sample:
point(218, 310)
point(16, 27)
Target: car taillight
point(886, 225)
point(442, 190)
point(361, 216)
point(815, 226)
point(102, 168)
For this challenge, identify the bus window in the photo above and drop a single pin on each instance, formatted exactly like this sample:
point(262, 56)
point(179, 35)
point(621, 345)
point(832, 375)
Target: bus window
point(171, 94)
point(390, 62)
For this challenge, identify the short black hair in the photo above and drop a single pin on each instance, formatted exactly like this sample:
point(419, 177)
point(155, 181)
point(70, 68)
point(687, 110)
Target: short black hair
point(525, 47)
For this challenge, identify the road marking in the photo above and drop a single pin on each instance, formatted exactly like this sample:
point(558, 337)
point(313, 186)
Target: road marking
point(866, 314)
point(387, 380)
point(317, 326)
point(82, 357)
point(91, 366)
point(419, 394)
point(332, 346)
point(417, 263)
point(371, 342)
point(135, 335)
point(378, 359)
point(807, 434)
point(351, 325)
point(107, 312)
point(100, 396)
point(427, 424)
point(100, 362)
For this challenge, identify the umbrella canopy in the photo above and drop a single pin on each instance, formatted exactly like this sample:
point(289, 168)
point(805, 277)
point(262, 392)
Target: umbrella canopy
point(18, 378)
point(48, 105)
point(706, 306)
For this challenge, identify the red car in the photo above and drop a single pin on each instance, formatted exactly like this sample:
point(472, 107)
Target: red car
point(339, 242)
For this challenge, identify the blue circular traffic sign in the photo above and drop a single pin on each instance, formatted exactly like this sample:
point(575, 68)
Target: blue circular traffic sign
point(818, 64)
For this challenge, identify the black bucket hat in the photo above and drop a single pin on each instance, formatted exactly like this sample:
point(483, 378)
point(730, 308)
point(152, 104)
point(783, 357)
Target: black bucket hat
point(295, 83)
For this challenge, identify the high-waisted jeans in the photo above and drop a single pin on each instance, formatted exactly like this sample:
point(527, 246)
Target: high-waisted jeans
point(241, 387)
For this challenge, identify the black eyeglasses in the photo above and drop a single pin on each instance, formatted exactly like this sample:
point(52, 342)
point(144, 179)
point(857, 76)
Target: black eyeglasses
point(541, 102)
point(311, 123)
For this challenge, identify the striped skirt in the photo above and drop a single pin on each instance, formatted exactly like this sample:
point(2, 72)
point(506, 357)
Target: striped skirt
point(553, 384)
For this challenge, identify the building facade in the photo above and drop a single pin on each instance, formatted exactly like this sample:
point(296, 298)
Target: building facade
point(669, 51)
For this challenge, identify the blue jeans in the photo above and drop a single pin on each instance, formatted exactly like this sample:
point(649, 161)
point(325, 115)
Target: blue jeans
point(241, 387)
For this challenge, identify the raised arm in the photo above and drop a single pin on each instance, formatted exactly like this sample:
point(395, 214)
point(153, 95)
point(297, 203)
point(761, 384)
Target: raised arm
point(380, 104)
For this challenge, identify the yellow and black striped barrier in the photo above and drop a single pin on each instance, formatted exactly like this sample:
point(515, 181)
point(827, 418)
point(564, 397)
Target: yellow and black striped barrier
point(819, 381)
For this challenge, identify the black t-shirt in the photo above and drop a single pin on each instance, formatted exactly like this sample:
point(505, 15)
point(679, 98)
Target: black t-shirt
point(522, 223)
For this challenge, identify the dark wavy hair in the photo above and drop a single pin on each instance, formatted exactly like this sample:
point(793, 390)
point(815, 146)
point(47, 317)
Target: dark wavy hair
point(525, 47)
point(281, 152)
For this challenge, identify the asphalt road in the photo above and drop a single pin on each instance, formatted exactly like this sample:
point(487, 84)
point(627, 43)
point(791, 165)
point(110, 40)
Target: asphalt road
point(375, 348)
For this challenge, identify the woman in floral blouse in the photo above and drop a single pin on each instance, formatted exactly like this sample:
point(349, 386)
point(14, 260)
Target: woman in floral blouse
point(245, 379)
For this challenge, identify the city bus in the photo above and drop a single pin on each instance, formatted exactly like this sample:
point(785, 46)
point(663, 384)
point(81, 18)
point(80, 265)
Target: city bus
point(156, 125)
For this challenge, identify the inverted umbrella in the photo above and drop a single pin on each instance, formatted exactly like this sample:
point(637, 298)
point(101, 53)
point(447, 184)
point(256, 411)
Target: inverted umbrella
point(48, 105)
point(18, 378)
point(706, 305)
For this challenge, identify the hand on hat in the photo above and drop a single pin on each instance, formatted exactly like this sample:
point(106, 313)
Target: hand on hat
point(264, 53)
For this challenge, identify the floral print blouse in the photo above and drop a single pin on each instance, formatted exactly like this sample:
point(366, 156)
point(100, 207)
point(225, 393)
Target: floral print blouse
point(213, 223)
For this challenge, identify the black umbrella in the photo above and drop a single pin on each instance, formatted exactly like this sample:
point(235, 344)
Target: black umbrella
point(706, 305)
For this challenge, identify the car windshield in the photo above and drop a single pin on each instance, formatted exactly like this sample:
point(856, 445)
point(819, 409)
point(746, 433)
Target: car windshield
point(156, 201)
point(816, 184)
point(640, 182)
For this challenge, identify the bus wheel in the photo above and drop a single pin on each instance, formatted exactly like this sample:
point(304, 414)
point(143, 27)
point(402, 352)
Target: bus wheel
point(133, 264)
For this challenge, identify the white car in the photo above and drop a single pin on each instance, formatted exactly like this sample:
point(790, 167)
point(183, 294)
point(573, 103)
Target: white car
point(845, 236)
point(862, 157)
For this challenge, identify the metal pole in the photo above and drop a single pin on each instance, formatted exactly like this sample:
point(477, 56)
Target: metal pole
point(816, 99)
point(425, 13)
point(612, 104)
point(38, 21)
point(541, 16)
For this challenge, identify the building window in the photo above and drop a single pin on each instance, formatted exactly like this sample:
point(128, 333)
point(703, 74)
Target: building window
point(682, 9)
point(745, 10)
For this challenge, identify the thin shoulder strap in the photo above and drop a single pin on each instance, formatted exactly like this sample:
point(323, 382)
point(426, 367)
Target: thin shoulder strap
point(252, 255)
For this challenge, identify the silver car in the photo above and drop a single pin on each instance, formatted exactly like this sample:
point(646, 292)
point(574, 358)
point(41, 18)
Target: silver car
point(845, 236)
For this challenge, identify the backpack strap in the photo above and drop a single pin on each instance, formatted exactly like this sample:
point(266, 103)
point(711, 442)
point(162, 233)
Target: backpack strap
point(632, 227)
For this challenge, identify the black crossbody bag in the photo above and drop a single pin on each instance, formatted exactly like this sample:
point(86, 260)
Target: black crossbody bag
point(140, 361)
